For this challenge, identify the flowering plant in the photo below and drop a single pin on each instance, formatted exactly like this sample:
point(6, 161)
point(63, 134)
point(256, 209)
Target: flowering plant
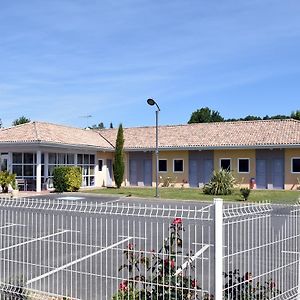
point(158, 274)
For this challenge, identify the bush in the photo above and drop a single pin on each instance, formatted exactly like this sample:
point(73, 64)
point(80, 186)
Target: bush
point(7, 179)
point(67, 179)
point(245, 192)
point(119, 165)
point(221, 183)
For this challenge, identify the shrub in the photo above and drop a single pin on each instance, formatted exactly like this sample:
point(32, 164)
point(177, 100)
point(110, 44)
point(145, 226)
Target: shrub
point(221, 183)
point(7, 179)
point(67, 179)
point(245, 192)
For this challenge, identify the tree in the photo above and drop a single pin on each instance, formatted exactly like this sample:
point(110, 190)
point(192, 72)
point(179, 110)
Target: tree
point(111, 125)
point(119, 165)
point(99, 126)
point(295, 115)
point(20, 120)
point(1, 124)
point(205, 115)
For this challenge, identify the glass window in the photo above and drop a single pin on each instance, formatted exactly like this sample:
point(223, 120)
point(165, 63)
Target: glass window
point(178, 165)
point(86, 159)
point(28, 170)
point(296, 165)
point(92, 159)
point(162, 165)
point(28, 158)
point(61, 158)
point(17, 169)
point(225, 164)
point(100, 164)
point(70, 159)
point(79, 159)
point(243, 165)
point(17, 158)
point(52, 158)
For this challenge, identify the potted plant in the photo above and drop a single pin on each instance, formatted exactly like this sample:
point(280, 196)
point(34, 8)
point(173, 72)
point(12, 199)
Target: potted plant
point(6, 180)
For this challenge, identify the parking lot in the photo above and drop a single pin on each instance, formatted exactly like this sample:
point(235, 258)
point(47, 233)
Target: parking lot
point(73, 245)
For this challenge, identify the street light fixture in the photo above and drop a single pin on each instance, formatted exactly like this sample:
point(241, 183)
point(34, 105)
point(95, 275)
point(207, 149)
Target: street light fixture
point(152, 102)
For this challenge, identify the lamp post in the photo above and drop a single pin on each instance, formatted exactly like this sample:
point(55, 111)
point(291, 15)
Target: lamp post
point(152, 102)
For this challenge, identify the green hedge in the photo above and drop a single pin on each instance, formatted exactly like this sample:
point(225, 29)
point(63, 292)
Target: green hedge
point(67, 179)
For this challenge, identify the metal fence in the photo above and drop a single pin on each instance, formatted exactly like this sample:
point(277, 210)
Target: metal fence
point(58, 249)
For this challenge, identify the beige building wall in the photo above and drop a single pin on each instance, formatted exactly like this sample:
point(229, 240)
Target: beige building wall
point(101, 176)
point(242, 179)
point(291, 182)
point(176, 178)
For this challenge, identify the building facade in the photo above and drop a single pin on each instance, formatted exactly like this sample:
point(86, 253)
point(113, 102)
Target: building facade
point(265, 151)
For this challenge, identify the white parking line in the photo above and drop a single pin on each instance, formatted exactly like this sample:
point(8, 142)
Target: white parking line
point(185, 265)
point(77, 261)
point(70, 198)
point(34, 240)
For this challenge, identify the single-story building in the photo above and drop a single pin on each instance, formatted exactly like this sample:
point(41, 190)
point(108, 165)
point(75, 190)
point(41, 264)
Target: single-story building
point(266, 151)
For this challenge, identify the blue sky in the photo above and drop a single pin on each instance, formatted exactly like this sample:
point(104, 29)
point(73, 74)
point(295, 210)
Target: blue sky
point(61, 60)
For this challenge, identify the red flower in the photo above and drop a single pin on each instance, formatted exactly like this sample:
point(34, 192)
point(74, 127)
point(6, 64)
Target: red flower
point(272, 285)
point(123, 286)
point(170, 263)
point(130, 246)
point(194, 283)
point(177, 221)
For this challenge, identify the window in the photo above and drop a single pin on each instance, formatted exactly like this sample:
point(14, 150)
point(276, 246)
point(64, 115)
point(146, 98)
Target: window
point(178, 165)
point(100, 164)
point(243, 165)
point(162, 165)
point(296, 165)
point(225, 163)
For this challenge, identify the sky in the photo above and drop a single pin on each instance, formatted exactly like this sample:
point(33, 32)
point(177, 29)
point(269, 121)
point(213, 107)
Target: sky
point(64, 60)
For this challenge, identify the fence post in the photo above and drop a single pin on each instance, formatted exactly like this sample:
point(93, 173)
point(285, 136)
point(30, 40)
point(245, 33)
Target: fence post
point(218, 203)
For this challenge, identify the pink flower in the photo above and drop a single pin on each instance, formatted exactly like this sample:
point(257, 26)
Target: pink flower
point(248, 276)
point(123, 286)
point(130, 246)
point(177, 221)
point(194, 283)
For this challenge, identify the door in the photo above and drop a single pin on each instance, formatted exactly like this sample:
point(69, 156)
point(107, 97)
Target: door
point(208, 170)
point(3, 162)
point(261, 173)
point(193, 173)
point(133, 172)
point(109, 172)
point(148, 172)
point(278, 173)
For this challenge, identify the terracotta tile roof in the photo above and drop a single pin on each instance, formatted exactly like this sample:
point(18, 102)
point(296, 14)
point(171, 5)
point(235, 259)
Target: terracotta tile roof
point(42, 132)
point(212, 135)
point(273, 133)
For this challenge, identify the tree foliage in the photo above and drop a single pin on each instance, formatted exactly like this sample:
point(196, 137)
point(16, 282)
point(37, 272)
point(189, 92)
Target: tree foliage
point(99, 126)
point(119, 165)
point(205, 115)
point(20, 120)
point(67, 178)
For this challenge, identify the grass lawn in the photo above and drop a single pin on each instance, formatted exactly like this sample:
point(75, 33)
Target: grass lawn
point(274, 196)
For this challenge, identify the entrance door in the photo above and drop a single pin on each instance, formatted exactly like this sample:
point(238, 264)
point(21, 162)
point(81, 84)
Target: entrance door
point(261, 173)
point(278, 173)
point(208, 170)
point(147, 172)
point(133, 172)
point(193, 176)
point(3, 162)
point(109, 172)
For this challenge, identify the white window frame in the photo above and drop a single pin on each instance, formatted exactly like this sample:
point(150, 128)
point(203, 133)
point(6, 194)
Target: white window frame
point(238, 165)
point(223, 158)
point(292, 172)
point(166, 165)
point(174, 165)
